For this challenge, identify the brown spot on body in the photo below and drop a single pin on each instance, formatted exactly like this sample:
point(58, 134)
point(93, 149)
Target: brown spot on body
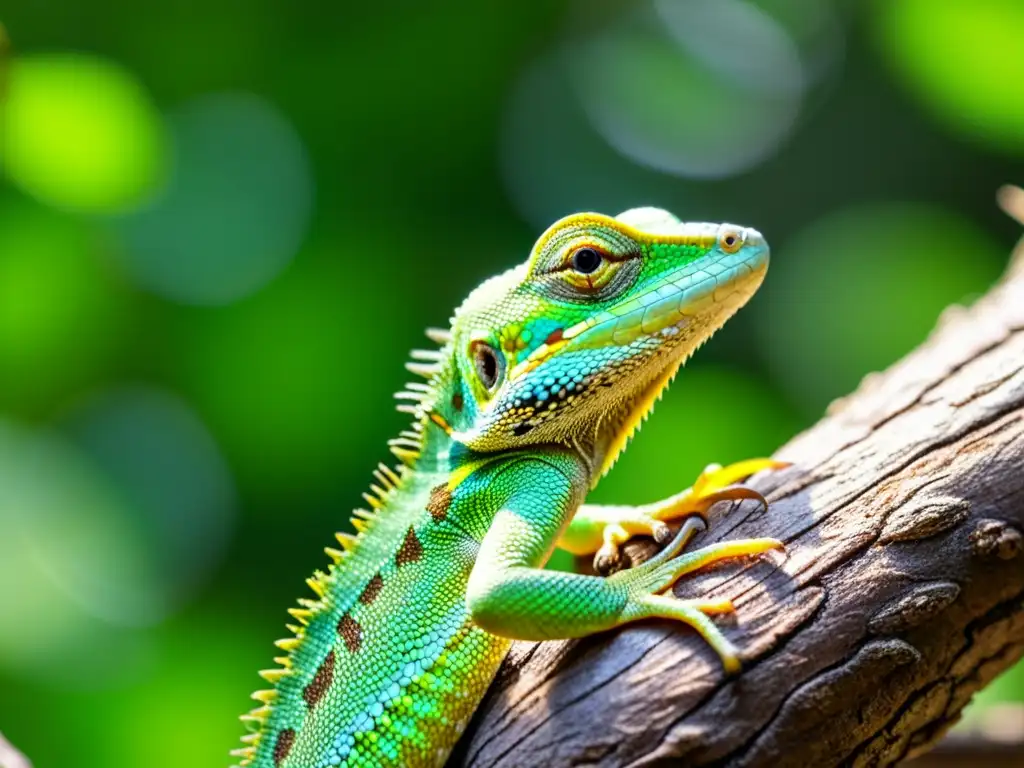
point(555, 335)
point(457, 401)
point(440, 500)
point(373, 588)
point(320, 683)
point(351, 632)
point(283, 745)
point(411, 551)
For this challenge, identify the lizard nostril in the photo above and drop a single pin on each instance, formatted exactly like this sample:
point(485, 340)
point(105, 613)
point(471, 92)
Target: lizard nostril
point(730, 240)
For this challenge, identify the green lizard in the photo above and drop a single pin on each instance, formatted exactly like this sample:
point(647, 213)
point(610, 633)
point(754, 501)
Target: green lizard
point(545, 374)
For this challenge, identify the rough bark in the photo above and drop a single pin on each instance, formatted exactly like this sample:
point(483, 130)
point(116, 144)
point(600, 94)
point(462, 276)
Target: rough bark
point(901, 593)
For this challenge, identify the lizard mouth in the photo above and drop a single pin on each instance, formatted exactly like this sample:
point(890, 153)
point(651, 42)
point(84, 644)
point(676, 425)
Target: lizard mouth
point(673, 319)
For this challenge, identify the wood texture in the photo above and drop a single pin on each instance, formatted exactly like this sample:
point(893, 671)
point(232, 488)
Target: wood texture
point(900, 595)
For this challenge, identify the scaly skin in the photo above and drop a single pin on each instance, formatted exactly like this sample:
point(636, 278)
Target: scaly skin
point(545, 374)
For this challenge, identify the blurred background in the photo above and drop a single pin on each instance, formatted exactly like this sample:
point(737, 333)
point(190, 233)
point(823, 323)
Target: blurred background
point(223, 224)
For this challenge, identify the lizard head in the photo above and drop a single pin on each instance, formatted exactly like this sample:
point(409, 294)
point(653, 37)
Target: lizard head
point(574, 346)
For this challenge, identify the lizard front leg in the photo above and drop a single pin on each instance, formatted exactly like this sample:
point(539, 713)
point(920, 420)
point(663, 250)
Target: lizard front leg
point(508, 593)
point(602, 529)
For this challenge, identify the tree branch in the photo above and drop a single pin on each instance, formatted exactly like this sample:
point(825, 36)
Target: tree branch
point(901, 593)
point(10, 757)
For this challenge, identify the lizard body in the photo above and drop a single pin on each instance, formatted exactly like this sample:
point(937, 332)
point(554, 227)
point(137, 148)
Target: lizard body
point(545, 374)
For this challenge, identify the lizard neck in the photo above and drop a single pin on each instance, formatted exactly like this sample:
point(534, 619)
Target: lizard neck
point(446, 406)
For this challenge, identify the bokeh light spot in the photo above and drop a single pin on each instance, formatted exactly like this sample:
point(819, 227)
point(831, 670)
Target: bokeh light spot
point(628, 103)
point(108, 531)
point(661, 89)
point(171, 477)
point(558, 165)
point(859, 288)
point(235, 209)
point(963, 59)
point(66, 537)
point(80, 132)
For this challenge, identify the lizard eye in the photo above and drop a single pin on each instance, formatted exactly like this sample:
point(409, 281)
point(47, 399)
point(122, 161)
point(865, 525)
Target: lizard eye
point(586, 261)
point(587, 268)
point(488, 363)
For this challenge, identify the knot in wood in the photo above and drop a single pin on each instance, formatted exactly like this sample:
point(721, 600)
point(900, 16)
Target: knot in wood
point(921, 518)
point(918, 605)
point(996, 538)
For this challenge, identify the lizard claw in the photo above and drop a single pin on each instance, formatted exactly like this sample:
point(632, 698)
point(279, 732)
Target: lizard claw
point(609, 558)
point(652, 520)
point(739, 493)
point(608, 562)
point(661, 532)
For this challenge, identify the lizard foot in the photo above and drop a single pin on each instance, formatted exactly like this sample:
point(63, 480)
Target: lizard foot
point(647, 583)
point(624, 523)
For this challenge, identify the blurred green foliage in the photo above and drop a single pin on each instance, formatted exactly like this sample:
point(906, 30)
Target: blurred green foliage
point(957, 65)
point(80, 133)
point(223, 226)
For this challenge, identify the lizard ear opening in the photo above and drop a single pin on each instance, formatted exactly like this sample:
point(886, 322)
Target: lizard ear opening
point(488, 363)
